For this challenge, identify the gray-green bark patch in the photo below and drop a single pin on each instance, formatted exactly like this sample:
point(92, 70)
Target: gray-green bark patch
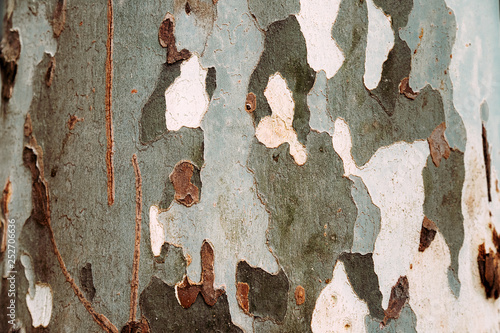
point(443, 205)
point(364, 281)
point(407, 322)
point(268, 294)
point(285, 52)
point(164, 313)
point(312, 217)
point(348, 98)
point(267, 12)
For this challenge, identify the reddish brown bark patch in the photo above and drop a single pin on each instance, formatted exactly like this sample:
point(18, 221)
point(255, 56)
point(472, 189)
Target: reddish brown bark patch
point(242, 291)
point(137, 326)
point(399, 295)
point(49, 75)
point(405, 89)
point(73, 119)
point(427, 234)
point(300, 295)
point(166, 38)
point(4, 205)
point(187, 291)
point(59, 18)
point(438, 144)
point(10, 50)
point(251, 102)
point(186, 193)
point(489, 267)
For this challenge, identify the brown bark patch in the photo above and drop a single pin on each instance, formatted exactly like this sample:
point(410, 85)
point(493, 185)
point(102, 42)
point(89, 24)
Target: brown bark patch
point(110, 141)
point(59, 18)
point(405, 89)
point(251, 102)
point(4, 204)
point(489, 267)
point(186, 193)
point(242, 291)
point(438, 144)
point(427, 234)
point(49, 75)
point(399, 295)
point(10, 50)
point(40, 196)
point(187, 291)
point(166, 38)
point(300, 295)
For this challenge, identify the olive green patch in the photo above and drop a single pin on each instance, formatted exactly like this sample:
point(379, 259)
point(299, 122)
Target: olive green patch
point(312, 218)
point(285, 52)
point(164, 313)
point(268, 294)
point(443, 205)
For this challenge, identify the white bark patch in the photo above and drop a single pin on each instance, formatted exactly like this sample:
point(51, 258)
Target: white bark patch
point(430, 297)
point(338, 308)
point(156, 231)
point(394, 179)
point(187, 99)
point(380, 41)
point(276, 129)
point(40, 304)
point(316, 19)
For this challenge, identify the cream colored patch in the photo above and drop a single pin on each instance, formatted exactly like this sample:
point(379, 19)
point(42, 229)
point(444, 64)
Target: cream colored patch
point(316, 19)
point(156, 231)
point(186, 99)
point(380, 41)
point(276, 129)
point(40, 305)
point(430, 297)
point(338, 308)
point(393, 177)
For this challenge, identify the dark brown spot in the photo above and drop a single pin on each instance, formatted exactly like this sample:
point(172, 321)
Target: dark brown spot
point(489, 270)
point(167, 40)
point(10, 50)
point(59, 18)
point(251, 102)
point(186, 193)
point(300, 295)
point(137, 326)
point(427, 234)
point(399, 295)
point(438, 144)
point(187, 290)
point(187, 8)
point(242, 296)
point(405, 89)
point(73, 119)
point(49, 75)
point(487, 162)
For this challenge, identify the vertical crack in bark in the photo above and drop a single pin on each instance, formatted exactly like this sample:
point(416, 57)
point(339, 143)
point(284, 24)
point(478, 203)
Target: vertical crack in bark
point(487, 162)
point(109, 114)
point(134, 284)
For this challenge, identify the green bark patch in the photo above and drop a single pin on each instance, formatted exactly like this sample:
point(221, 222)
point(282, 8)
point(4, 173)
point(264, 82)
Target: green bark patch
point(268, 293)
point(160, 306)
point(361, 273)
point(285, 52)
point(443, 205)
point(372, 125)
point(312, 218)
